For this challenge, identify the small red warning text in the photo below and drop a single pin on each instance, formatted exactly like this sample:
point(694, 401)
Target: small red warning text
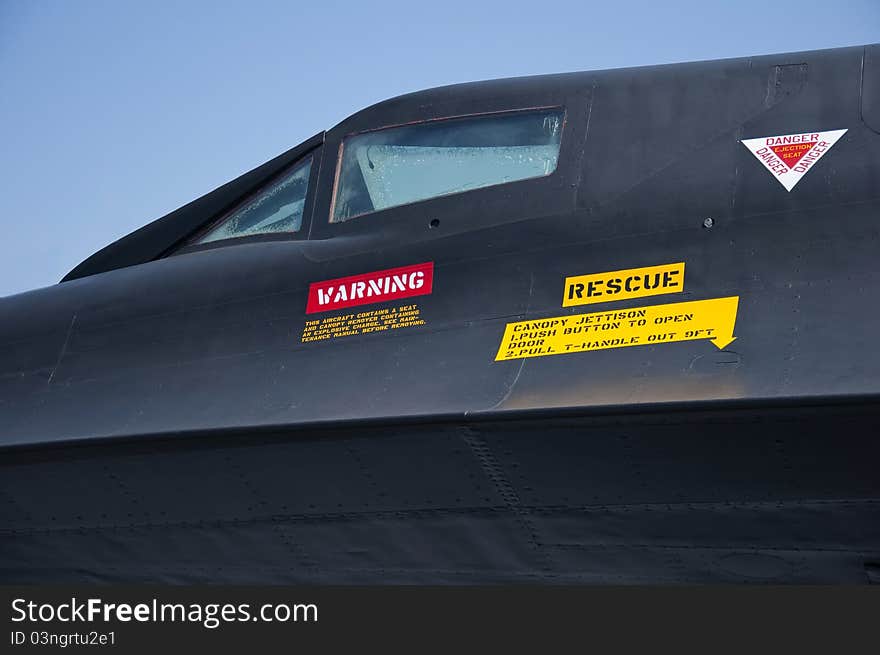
point(790, 156)
point(791, 149)
point(379, 286)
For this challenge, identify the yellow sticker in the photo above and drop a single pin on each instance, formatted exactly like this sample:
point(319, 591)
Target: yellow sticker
point(624, 284)
point(711, 319)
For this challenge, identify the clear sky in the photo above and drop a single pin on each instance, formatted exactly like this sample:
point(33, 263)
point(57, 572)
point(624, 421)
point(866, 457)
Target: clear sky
point(114, 113)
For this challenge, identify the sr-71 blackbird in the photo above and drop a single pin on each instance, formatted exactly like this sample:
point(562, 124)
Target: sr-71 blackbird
point(615, 326)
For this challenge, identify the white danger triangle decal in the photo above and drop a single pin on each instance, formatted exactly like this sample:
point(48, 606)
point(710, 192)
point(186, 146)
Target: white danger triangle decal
point(790, 156)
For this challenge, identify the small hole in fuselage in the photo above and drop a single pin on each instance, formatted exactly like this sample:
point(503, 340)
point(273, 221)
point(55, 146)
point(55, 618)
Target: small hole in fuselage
point(435, 222)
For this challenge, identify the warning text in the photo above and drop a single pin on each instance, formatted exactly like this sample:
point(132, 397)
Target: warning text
point(711, 319)
point(347, 325)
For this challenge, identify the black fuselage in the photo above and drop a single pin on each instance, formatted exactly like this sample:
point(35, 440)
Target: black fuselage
point(179, 413)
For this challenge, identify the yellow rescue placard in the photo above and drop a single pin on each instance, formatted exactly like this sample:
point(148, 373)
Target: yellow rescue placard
point(623, 284)
point(712, 319)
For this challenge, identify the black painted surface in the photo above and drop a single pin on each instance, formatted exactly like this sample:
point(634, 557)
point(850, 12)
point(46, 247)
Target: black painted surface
point(720, 494)
point(135, 346)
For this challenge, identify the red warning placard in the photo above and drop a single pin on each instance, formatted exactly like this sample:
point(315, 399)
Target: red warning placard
point(789, 156)
point(792, 153)
point(378, 286)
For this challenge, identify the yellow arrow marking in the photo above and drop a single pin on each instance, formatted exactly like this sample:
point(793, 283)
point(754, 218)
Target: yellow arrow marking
point(711, 319)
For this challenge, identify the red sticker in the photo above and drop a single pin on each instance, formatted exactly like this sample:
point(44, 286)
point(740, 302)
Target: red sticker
point(790, 156)
point(379, 286)
point(792, 153)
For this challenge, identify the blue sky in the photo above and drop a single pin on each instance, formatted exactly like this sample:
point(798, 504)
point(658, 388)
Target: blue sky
point(115, 113)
